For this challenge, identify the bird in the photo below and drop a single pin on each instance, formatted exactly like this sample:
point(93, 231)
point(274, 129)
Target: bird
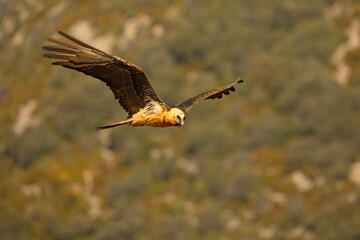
point(128, 83)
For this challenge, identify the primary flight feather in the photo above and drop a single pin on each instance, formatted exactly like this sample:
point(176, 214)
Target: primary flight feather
point(128, 83)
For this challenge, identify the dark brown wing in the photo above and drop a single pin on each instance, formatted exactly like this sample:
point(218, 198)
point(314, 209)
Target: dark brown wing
point(127, 81)
point(211, 94)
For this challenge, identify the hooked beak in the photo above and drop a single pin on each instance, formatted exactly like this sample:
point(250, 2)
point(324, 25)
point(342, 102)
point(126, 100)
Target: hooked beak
point(181, 121)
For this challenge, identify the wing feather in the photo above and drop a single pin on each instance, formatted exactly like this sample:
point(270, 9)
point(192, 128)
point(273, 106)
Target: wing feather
point(210, 94)
point(128, 82)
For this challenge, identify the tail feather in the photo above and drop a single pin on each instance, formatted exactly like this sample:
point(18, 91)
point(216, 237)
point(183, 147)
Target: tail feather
point(115, 124)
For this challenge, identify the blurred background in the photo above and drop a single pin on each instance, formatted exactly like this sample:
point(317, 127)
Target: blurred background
point(277, 159)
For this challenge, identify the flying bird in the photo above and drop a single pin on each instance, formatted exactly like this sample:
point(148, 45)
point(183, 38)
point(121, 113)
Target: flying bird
point(128, 83)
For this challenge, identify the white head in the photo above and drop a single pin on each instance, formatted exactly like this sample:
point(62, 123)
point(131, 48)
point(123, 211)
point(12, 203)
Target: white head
point(178, 115)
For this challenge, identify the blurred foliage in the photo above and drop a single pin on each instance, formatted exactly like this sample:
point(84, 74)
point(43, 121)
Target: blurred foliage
point(271, 161)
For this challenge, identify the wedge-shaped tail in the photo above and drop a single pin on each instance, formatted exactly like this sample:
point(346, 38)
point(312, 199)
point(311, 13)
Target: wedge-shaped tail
point(129, 121)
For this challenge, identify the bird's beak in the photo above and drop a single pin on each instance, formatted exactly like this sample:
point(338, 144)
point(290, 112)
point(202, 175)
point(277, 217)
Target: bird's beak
point(181, 122)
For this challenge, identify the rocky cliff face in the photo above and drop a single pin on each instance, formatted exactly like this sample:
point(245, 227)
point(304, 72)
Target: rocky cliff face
point(342, 68)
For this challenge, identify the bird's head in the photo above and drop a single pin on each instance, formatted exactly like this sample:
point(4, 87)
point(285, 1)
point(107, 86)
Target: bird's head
point(178, 115)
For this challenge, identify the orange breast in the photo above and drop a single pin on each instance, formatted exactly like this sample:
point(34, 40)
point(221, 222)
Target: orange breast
point(152, 120)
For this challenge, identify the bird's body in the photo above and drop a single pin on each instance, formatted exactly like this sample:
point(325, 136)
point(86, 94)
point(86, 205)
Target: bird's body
point(162, 118)
point(154, 115)
point(128, 83)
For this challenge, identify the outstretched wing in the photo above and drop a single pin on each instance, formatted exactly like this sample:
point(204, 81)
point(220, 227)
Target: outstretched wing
point(127, 81)
point(211, 94)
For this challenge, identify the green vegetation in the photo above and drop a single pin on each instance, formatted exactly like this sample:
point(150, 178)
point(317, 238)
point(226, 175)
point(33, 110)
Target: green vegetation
point(277, 159)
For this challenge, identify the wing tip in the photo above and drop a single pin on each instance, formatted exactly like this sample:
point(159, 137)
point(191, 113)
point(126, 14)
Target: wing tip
point(239, 79)
point(61, 63)
point(49, 39)
point(62, 33)
point(99, 128)
point(58, 31)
